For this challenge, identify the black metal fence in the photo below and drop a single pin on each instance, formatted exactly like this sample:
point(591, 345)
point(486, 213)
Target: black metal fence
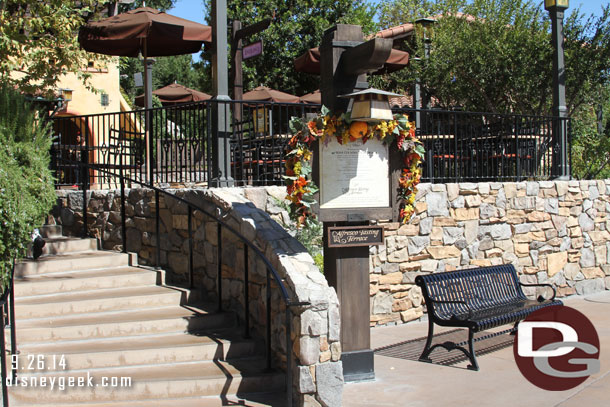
point(465, 146)
point(174, 145)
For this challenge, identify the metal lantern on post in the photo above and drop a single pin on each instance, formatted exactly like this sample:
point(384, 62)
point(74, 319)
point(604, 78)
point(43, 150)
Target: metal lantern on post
point(66, 94)
point(370, 105)
point(564, 4)
point(424, 28)
point(556, 9)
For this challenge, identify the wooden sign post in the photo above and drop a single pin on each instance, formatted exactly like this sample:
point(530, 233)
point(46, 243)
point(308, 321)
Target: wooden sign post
point(355, 189)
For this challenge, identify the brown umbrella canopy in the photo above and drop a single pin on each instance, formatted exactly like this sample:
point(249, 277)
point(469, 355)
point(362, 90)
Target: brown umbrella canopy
point(314, 97)
point(146, 31)
point(309, 62)
point(265, 94)
point(175, 94)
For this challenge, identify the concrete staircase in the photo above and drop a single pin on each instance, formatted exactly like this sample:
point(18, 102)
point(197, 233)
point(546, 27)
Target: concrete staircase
point(97, 316)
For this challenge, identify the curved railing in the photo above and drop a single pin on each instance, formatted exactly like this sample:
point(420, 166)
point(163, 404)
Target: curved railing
point(7, 307)
point(271, 271)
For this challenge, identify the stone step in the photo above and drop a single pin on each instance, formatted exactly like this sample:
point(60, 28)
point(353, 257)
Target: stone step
point(85, 280)
point(156, 382)
point(62, 244)
point(243, 399)
point(50, 230)
point(60, 263)
point(138, 350)
point(98, 300)
point(119, 324)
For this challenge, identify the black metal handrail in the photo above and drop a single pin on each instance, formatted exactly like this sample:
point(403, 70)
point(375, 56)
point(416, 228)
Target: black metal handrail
point(7, 306)
point(271, 271)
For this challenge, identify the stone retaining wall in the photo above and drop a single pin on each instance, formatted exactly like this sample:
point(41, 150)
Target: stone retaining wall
point(317, 369)
point(553, 232)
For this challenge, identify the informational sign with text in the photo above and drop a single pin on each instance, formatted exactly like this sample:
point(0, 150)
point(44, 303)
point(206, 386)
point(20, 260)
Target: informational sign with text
point(354, 175)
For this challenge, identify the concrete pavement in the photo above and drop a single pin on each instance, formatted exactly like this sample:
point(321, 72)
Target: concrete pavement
point(401, 380)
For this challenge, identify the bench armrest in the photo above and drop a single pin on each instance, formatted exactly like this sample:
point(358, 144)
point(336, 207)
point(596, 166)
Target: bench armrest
point(540, 297)
point(454, 302)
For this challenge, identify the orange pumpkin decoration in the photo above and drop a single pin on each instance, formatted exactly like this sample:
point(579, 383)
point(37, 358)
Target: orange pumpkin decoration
point(358, 129)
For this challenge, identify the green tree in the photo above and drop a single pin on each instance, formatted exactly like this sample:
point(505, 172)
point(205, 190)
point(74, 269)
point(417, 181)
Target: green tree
point(166, 70)
point(590, 133)
point(26, 186)
point(38, 42)
point(499, 59)
point(296, 27)
point(398, 12)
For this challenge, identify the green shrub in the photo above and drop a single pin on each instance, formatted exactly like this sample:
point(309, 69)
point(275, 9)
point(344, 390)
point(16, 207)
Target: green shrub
point(310, 235)
point(26, 184)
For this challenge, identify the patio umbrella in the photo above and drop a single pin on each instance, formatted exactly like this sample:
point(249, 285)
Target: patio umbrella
point(314, 97)
point(175, 94)
point(265, 94)
point(144, 31)
point(309, 62)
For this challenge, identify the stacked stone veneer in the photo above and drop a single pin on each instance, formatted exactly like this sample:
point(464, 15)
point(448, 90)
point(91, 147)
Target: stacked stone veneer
point(316, 351)
point(553, 232)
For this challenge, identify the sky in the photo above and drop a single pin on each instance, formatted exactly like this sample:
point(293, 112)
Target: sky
point(195, 11)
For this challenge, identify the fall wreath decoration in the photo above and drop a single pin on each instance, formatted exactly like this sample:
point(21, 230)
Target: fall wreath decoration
point(300, 187)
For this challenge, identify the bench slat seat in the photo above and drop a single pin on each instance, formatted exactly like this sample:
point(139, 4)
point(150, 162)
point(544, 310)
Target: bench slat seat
point(484, 319)
point(477, 299)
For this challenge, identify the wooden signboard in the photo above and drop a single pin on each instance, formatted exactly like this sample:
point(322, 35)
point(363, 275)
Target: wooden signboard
point(253, 50)
point(352, 236)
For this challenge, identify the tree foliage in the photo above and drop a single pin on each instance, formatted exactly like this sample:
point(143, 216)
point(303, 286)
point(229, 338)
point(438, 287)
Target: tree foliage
point(500, 60)
point(590, 134)
point(297, 26)
point(166, 70)
point(38, 42)
point(26, 185)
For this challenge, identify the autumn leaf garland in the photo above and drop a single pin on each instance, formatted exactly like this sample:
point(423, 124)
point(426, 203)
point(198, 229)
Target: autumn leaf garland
point(300, 187)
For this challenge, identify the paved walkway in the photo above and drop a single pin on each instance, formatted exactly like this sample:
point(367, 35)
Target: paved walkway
point(403, 381)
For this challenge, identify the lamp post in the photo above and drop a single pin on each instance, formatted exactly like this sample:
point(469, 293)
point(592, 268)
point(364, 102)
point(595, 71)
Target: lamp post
point(423, 29)
point(556, 9)
point(221, 158)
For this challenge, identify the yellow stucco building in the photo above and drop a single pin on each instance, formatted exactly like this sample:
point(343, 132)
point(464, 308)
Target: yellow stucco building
point(90, 119)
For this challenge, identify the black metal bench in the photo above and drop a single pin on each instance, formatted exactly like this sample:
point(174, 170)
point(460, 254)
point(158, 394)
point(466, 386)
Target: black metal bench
point(477, 299)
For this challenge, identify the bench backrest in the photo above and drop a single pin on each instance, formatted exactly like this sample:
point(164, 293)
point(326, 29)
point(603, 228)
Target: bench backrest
point(480, 288)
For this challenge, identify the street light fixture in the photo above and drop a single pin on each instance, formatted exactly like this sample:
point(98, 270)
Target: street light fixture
point(424, 28)
point(370, 105)
point(563, 4)
point(66, 94)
